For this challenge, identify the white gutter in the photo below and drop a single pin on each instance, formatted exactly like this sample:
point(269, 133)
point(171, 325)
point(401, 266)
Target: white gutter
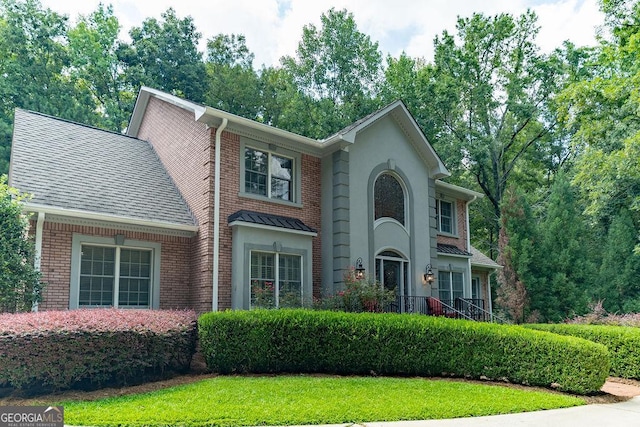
point(38, 243)
point(76, 213)
point(216, 217)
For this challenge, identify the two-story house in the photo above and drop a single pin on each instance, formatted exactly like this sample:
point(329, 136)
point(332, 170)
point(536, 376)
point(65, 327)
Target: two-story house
point(198, 208)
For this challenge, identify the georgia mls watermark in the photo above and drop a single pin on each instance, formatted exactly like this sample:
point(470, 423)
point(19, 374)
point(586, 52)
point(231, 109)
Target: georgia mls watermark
point(31, 416)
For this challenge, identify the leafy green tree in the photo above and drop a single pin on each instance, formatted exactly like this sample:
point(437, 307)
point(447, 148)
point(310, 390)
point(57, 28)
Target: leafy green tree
point(33, 58)
point(602, 110)
point(484, 104)
point(95, 68)
point(234, 85)
point(20, 285)
point(337, 67)
point(164, 55)
point(618, 285)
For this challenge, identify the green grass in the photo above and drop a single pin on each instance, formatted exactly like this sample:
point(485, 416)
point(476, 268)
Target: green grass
point(290, 400)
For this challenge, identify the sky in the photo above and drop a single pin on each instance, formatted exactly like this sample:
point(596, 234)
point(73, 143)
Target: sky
point(273, 28)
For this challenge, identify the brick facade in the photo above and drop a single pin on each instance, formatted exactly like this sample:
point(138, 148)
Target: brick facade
point(56, 263)
point(187, 150)
point(459, 241)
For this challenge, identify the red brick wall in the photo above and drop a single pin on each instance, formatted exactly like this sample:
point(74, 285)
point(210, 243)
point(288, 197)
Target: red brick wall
point(231, 201)
point(187, 149)
point(56, 263)
point(461, 240)
point(184, 147)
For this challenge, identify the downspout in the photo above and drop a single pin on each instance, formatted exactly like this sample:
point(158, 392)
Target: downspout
point(38, 255)
point(216, 217)
point(469, 237)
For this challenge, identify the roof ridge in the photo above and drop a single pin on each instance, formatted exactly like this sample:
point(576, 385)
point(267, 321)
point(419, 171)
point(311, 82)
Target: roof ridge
point(60, 119)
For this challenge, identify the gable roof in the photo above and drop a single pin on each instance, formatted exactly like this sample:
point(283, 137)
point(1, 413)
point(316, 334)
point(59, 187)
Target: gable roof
point(399, 112)
point(77, 170)
point(292, 141)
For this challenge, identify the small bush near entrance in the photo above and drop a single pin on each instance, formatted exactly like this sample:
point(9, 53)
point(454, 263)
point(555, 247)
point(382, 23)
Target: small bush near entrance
point(301, 341)
point(623, 343)
point(53, 350)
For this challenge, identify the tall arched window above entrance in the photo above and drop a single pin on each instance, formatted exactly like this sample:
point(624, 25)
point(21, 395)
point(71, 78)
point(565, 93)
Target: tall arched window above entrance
point(389, 198)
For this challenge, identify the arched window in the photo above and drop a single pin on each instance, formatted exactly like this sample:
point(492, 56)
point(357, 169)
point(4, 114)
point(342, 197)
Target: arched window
point(389, 198)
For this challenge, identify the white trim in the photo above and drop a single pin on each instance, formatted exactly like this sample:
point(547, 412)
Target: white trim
point(454, 255)
point(216, 219)
point(239, 223)
point(38, 243)
point(76, 213)
point(487, 266)
point(457, 190)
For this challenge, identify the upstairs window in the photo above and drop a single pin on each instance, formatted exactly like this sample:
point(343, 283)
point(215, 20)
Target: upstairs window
point(389, 200)
point(445, 216)
point(268, 174)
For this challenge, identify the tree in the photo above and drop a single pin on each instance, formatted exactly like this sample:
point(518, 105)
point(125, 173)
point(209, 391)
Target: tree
point(20, 285)
point(618, 286)
point(32, 59)
point(602, 111)
point(94, 67)
point(164, 55)
point(565, 266)
point(234, 85)
point(484, 105)
point(517, 244)
point(338, 68)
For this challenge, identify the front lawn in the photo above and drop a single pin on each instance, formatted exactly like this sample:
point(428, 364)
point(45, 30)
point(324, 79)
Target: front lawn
point(299, 400)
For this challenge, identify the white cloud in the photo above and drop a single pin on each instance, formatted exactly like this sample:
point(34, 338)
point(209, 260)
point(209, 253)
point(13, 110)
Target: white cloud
point(273, 28)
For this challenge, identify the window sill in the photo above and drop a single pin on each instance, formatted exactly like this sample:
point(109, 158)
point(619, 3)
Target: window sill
point(270, 200)
point(452, 235)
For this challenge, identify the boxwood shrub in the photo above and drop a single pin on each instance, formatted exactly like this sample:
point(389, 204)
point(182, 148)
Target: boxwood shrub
point(623, 343)
point(54, 350)
point(304, 341)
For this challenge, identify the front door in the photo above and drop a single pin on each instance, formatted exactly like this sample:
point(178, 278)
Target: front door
point(392, 273)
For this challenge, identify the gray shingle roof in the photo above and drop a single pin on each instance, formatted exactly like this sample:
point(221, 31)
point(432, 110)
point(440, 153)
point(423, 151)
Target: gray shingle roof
point(481, 260)
point(73, 166)
point(271, 220)
point(451, 250)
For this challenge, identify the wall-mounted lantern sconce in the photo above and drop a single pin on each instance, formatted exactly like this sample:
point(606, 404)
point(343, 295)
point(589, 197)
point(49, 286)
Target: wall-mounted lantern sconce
point(359, 269)
point(428, 277)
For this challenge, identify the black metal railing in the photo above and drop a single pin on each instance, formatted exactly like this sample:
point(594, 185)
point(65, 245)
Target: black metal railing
point(459, 308)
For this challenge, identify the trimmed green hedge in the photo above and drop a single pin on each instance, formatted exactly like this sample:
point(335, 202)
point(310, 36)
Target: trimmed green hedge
point(88, 349)
point(623, 343)
point(304, 341)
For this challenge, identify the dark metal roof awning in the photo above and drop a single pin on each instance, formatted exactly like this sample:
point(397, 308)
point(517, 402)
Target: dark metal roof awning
point(271, 220)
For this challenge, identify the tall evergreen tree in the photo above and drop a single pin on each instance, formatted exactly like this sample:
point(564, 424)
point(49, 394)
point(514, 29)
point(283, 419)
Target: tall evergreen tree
point(564, 265)
point(618, 285)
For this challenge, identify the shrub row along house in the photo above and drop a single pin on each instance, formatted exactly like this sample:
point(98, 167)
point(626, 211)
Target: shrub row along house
point(198, 208)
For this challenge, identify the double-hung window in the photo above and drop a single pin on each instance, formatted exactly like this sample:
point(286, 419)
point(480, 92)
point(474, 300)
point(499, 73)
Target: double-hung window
point(268, 174)
point(445, 216)
point(450, 285)
point(114, 276)
point(276, 280)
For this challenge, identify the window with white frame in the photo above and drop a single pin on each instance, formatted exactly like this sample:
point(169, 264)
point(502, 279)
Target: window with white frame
point(445, 216)
point(450, 285)
point(389, 199)
point(114, 276)
point(276, 280)
point(268, 174)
